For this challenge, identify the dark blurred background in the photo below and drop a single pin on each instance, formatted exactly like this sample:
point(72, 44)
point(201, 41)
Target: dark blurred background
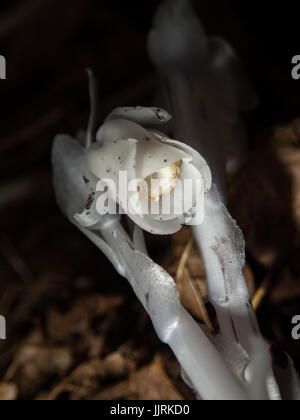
point(47, 268)
point(48, 46)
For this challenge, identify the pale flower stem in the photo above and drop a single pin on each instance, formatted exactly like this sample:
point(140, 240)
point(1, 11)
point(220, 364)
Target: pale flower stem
point(222, 252)
point(229, 295)
point(202, 363)
point(209, 374)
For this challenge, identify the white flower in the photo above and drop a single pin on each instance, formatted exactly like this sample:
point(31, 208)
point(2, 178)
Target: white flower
point(206, 371)
point(125, 144)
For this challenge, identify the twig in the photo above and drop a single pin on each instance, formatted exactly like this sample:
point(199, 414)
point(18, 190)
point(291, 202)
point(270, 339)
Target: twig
point(200, 302)
point(260, 293)
point(184, 259)
point(183, 273)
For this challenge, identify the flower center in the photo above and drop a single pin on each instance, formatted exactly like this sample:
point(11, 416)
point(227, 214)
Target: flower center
point(160, 183)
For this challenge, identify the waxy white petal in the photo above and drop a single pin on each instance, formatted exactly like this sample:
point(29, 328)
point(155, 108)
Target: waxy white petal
point(141, 115)
point(70, 186)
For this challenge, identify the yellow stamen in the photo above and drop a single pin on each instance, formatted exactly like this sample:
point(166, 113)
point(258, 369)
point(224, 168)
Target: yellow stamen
point(166, 182)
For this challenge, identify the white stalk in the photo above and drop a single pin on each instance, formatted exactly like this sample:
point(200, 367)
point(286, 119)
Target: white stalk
point(208, 373)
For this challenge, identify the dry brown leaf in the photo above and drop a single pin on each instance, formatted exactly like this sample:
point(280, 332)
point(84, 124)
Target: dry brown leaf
point(87, 378)
point(8, 391)
point(62, 325)
point(34, 365)
point(149, 383)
